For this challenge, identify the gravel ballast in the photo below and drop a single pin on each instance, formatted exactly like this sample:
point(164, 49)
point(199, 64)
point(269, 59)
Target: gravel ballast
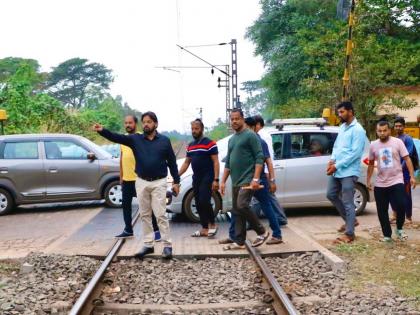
point(182, 281)
point(245, 311)
point(315, 289)
point(45, 284)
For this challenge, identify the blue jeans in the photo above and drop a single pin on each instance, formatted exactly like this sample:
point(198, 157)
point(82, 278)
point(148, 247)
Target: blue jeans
point(263, 196)
point(278, 209)
point(345, 203)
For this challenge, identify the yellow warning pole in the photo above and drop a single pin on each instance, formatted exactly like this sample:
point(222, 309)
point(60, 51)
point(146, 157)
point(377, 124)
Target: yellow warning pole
point(349, 47)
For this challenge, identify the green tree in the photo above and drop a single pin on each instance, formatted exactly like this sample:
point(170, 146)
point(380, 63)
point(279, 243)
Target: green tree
point(302, 44)
point(218, 131)
point(256, 98)
point(74, 81)
point(9, 66)
point(28, 111)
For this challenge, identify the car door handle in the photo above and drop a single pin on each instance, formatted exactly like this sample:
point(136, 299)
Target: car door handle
point(4, 170)
point(53, 170)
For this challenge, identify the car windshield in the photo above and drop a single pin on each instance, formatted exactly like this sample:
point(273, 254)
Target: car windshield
point(97, 148)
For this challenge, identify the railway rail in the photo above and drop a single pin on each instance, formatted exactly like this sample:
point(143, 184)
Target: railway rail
point(90, 297)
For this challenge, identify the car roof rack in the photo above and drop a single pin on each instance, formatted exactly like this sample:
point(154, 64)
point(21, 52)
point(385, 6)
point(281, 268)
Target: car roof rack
point(280, 123)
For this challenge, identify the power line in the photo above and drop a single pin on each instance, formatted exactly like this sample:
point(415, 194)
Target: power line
point(206, 45)
point(203, 60)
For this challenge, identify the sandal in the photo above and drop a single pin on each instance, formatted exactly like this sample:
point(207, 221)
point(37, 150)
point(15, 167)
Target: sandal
point(233, 246)
point(342, 228)
point(212, 232)
point(199, 234)
point(275, 240)
point(344, 240)
point(225, 241)
point(260, 239)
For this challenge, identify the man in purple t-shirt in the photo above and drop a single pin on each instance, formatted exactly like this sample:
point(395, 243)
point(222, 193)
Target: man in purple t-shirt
point(388, 151)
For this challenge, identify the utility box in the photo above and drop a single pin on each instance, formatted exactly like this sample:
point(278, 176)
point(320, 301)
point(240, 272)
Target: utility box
point(3, 115)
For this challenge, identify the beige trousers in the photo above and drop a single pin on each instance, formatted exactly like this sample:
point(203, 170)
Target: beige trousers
point(152, 198)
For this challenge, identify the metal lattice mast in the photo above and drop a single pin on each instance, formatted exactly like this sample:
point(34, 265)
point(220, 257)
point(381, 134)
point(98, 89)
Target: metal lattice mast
point(226, 84)
point(235, 96)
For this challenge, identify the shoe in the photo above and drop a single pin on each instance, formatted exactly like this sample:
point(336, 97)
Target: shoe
point(274, 240)
point(260, 239)
point(167, 253)
point(386, 240)
point(124, 234)
point(401, 235)
point(342, 228)
point(144, 251)
point(409, 221)
point(158, 237)
point(225, 241)
point(282, 223)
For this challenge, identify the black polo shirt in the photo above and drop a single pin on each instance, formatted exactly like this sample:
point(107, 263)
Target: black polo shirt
point(153, 157)
point(200, 151)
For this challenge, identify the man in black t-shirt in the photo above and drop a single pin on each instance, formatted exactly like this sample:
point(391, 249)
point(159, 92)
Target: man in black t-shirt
point(202, 154)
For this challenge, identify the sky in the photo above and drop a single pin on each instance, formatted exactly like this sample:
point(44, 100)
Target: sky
point(134, 38)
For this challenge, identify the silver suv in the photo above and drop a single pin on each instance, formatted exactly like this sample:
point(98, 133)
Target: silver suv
point(300, 155)
point(43, 168)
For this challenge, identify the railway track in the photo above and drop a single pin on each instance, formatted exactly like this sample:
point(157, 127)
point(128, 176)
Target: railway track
point(90, 299)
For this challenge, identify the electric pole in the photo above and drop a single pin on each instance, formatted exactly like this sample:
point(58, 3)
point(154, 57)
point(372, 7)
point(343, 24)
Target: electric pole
point(200, 113)
point(231, 79)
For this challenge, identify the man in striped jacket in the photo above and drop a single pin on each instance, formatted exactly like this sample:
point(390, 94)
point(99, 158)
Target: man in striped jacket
point(202, 154)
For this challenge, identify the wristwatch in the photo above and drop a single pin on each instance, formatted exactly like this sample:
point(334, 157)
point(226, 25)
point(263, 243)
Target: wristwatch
point(256, 180)
point(216, 180)
point(273, 180)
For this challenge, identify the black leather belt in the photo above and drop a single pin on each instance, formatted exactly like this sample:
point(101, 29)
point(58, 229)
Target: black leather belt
point(151, 179)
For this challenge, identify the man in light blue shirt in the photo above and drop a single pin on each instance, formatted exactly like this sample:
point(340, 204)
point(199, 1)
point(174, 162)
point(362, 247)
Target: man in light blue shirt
point(344, 169)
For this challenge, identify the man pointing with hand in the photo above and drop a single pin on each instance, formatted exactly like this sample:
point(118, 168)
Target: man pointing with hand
point(154, 155)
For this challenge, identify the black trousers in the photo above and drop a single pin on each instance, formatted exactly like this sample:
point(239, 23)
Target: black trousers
point(241, 198)
point(128, 193)
point(383, 196)
point(202, 195)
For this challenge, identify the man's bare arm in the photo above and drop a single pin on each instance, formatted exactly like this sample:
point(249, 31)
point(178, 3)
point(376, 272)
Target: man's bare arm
point(185, 166)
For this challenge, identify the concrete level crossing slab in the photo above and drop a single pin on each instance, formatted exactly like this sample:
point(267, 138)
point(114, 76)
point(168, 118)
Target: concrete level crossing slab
point(186, 246)
point(96, 237)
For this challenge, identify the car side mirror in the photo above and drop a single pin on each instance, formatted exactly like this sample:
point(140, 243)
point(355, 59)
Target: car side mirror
point(91, 156)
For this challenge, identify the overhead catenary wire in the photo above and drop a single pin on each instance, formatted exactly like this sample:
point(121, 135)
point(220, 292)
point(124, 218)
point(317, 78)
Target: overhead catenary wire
point(205, 61)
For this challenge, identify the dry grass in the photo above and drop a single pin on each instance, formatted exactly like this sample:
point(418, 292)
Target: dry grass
point(7, 267)
point(381, 266)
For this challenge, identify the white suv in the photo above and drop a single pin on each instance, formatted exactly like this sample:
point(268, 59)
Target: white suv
point(300, 154)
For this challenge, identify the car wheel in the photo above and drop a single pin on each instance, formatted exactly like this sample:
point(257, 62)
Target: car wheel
point(190, 208)
point(6, 202)
point(360, 198)
point(113, 195)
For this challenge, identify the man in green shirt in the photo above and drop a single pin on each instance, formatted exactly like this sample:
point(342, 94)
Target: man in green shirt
point(244, 163)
